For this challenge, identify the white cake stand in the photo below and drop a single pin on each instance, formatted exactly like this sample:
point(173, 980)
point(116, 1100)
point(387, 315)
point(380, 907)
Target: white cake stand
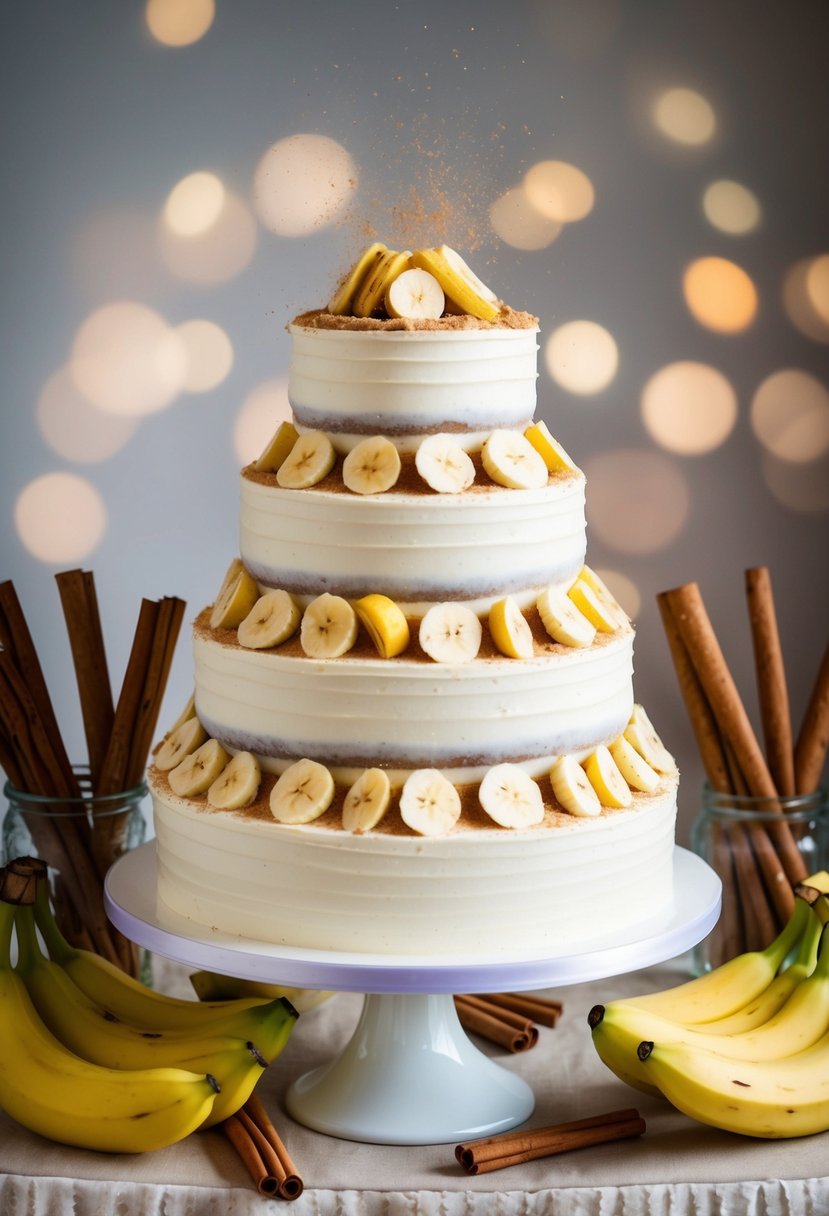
point(409, 1074)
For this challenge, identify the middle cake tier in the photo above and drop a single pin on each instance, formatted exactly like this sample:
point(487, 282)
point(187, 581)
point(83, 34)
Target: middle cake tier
point(418, 548)
point(404, 713)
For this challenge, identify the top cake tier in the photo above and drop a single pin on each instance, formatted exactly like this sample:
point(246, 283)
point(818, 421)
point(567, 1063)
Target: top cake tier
point(353, 382)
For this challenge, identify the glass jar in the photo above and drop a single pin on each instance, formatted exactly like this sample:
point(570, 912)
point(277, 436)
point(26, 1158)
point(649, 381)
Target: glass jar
point(79, 838)
point(746, 840)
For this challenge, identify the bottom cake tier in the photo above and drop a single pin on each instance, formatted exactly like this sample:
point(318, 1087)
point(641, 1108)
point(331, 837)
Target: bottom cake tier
point(569, 885)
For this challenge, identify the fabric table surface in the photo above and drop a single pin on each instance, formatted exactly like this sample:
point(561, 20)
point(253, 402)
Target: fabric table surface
point(677, 1167)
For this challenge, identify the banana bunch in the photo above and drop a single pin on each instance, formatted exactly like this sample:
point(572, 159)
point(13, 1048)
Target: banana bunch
point(92, 1058)
point(744, 1047)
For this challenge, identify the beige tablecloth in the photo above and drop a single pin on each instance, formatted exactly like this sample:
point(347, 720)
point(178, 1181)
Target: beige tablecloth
point(677, 1168)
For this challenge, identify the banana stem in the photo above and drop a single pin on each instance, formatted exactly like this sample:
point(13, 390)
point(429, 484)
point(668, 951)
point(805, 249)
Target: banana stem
point(28, 950)
point(6, 923)
point(779, 949)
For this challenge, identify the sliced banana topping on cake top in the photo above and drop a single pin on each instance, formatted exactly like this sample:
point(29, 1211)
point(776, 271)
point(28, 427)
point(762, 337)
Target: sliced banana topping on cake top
point(237, 595)
point(367, 801)
point(302, 793)
point(444, 465)
point(329, 627)
point(180, 742)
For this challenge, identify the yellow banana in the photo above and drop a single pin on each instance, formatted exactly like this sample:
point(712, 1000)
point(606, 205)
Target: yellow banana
point(126, 998)
point(95, 1034)
point(209, 986)
point(53, 1092)
point(729, 987)
point(775, 1099)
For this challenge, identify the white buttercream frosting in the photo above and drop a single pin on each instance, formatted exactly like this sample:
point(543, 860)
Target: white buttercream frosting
point(491, 892)
point(482, 544)
point(406, 714)
point(412, 382)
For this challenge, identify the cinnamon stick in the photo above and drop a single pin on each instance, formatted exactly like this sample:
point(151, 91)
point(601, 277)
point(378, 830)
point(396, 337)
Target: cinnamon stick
point(114, 770)
point(513, 1148)
point(249, 1154)
point(290, 1183)
point(16, 639)
point(86, 641)
point(162, 649)
point(543, 1010)
point(490, 1023)
point(813, 739)
point(772, 689)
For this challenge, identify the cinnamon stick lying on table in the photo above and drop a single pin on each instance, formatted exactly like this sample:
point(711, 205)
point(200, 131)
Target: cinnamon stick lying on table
point(544, 1010)
point(290, 1185)
point(509, 1030)
point(513, 1148)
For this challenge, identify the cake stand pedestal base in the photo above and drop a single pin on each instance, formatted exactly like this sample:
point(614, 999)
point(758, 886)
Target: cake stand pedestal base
point(409, 1075)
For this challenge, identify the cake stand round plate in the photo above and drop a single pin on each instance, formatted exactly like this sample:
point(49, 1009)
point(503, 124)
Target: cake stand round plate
point(409, 1074)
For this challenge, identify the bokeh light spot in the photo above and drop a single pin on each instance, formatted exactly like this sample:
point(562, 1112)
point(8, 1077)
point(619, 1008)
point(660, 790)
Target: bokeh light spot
point(559, 191)
point(262, 411)
point(684, 116)
point(74, 428)
point(127, 360)
point(800, 487)
point(689, 408)
point(209, 354)
point(817, 285)
point(625, 591)
point(179, 22)
point(302, 183)
point(800, 299)
point(720, 295)
point(194, 204)
point(516, 221)
point(219, 252)
point(582, 357)
point(731, 208)
point(790, 416)
point(637, 502)
point(60, 517)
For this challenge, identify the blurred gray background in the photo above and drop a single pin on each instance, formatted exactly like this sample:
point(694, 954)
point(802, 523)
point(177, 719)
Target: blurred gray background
point(649, 178)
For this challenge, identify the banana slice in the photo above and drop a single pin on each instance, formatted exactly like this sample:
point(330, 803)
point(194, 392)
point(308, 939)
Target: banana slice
point(343, 298)
point(509, 629)
point(562, 619)
point(182, 741)
point(367, 801)
point(635, 770)
point(549, 449)
point(450, 633)
point(237, 785)
point(573, 790)
point(371, 294)
point(511, 797)
point(302, 793)
point(199, 770)
point(416, 295)
point(600, 615)
point(429, 804)
point(372, 466)
point(271, 621)
point(385, 623)
point(640, 733)
point(604, 775)
point(278, 450)
point(237, 595)
point(460, 284)
point(444, 465)
point(329, 627)
point(512, 461)
point(605, 596)
point(309, 460)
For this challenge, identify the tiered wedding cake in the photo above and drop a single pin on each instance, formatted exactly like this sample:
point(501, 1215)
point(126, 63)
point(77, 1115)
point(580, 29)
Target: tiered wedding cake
point(413, 729)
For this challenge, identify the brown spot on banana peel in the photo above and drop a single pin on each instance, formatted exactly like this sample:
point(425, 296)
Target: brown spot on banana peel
point(595, 1016)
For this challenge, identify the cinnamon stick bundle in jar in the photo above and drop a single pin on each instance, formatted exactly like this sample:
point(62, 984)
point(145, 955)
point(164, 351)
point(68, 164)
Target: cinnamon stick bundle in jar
point(77, 823)
point(752, 842)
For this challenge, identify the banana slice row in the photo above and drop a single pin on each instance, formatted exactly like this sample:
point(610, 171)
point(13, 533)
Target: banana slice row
point(511, 459)
point(448, 633)
point(430, 805)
